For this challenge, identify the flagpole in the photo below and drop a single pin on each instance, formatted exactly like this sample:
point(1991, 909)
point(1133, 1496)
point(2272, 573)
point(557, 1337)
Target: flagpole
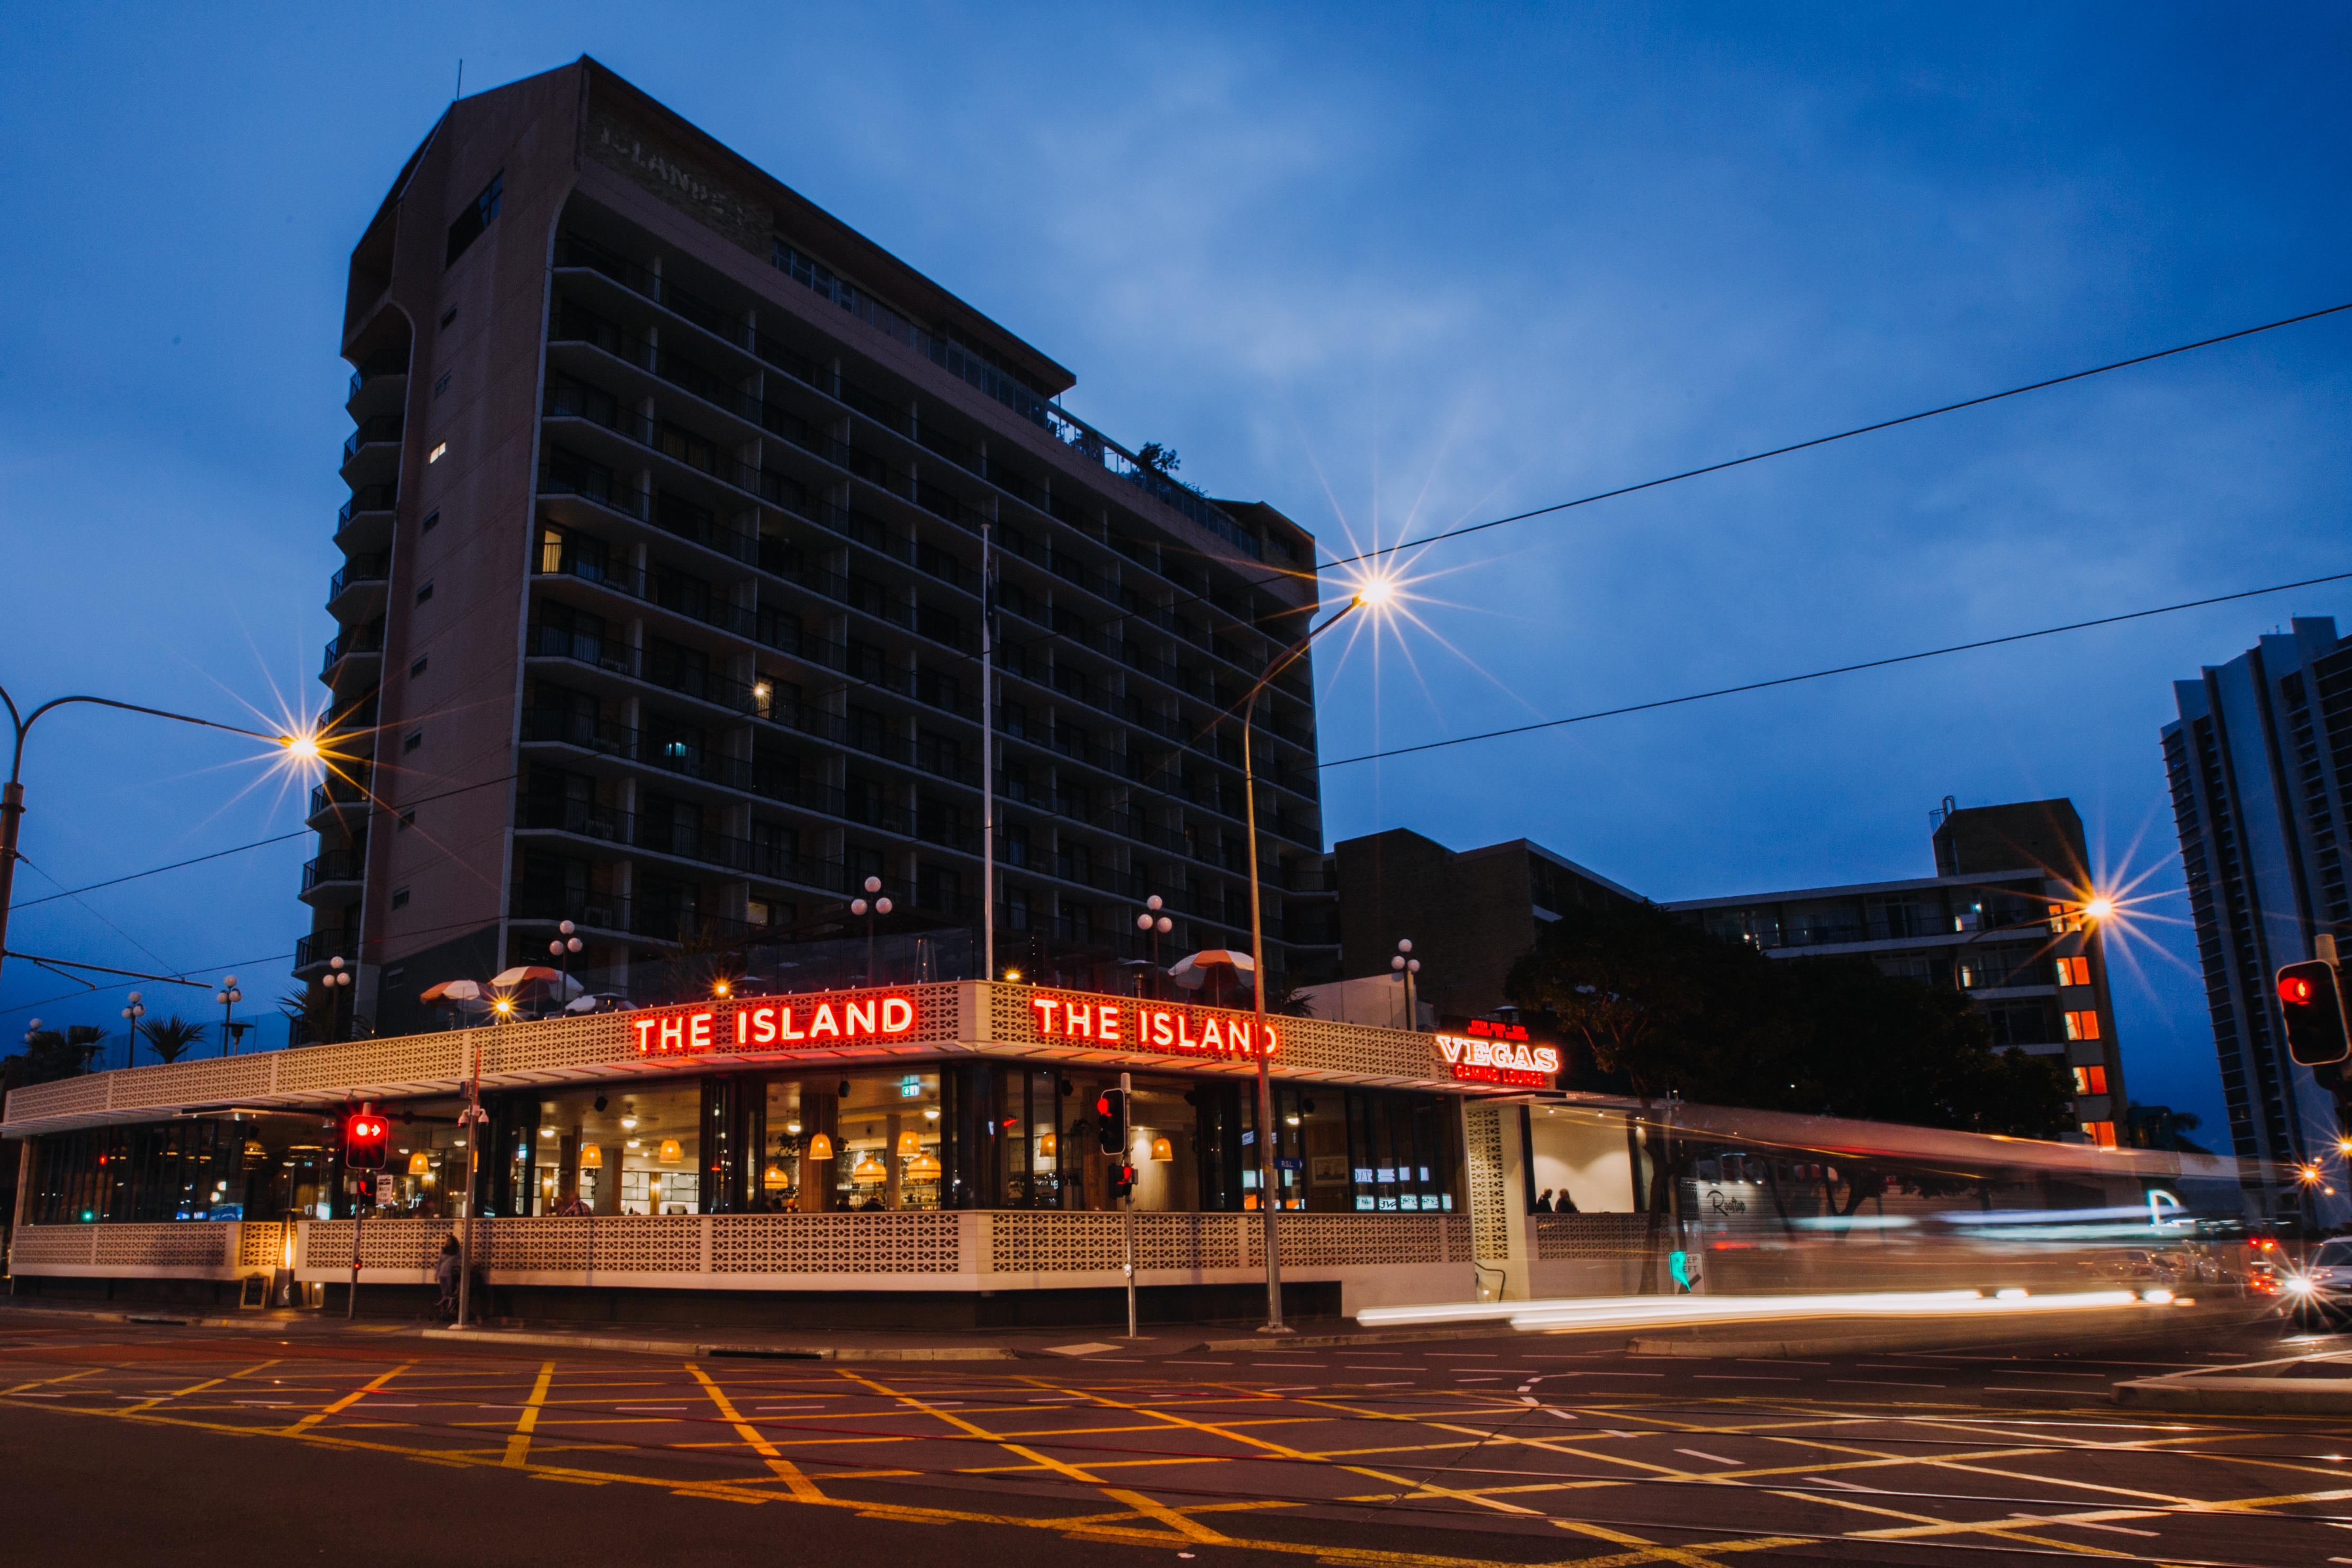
point(987, 756)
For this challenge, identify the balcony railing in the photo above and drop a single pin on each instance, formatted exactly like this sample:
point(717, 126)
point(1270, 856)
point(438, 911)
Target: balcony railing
point(335, 865)
point(367, 498)
point(359, 570)
point(381, 428)
point(358, 642)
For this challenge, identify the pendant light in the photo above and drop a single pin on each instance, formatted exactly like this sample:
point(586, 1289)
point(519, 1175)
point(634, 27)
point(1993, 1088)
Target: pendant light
point(669, 1152)
point(592, 1158)
point(923, 1168)
point(1045, 1146)
point(911, 1144)
point(776, 1174)
point(1161, 1149)
point(420, 1164)
point(820, 1147)
point(867, 1168)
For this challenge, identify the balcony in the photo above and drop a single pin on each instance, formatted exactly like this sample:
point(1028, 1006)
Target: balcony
point(337, 871)
point(371, 453)
point(362, 646)
point(331, 801)
point(314, 950)
point(364, 522)
point(1074, 434)
point(359, 574)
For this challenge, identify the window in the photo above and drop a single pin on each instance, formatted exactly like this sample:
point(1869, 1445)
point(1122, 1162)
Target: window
point(2100, 1132)
point(2074, 971)
point(441, 385)
point(2083, 1025)
point(432, 519)
point(434, 456)
point(473, 221)
point(407, 818)
point(400, 898)
point(416, 738)
point(2090, 1081)
point(424, 593)
point(416, 668)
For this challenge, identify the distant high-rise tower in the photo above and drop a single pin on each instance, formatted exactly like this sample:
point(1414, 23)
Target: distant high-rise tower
point(661, 590)
point(2261, 768)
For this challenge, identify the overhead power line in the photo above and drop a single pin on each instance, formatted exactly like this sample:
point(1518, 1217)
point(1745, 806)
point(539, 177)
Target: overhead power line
point(1835, 670)
point(1842, 436)
point(158, 871)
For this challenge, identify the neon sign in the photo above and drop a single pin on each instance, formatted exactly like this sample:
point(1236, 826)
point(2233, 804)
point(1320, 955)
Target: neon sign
point(1499, 1053)
point(1151, 1026)
point(751, 1026)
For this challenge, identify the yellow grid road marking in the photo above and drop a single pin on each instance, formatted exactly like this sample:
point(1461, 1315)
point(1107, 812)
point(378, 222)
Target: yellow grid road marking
point(518, 1444)
point(347, 1401)
point(795, 1480)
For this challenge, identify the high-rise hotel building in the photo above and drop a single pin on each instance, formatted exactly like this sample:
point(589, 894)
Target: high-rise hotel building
point(661, 603)
point(2259, 763)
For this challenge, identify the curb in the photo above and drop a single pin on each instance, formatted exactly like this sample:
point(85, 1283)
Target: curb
point(1850, 1335)
point(699, 1349)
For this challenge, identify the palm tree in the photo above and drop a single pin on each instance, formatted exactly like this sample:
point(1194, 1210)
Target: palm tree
point(174, 1038)
point(50, 1054)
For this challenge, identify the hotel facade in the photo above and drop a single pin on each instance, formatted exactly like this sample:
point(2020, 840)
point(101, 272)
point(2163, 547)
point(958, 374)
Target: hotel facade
point(661, 598)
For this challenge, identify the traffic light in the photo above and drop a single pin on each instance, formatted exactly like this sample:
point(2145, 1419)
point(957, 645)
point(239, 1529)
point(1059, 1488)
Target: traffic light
point(1122, 1181)
point(364, 1138)
point(1110, 1121)
point(2313, 1005)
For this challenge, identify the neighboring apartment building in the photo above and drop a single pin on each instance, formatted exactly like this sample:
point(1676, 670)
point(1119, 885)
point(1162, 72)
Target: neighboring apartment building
point(661, 601)
point(1470, 915)
point(2261, 767)
point(1997, 921)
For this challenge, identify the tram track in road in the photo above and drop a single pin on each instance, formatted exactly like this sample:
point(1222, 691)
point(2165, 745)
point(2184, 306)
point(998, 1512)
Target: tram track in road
point(1432, 1447)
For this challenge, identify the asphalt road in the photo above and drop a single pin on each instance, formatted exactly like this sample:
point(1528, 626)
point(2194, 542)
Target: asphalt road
point(122, 1443)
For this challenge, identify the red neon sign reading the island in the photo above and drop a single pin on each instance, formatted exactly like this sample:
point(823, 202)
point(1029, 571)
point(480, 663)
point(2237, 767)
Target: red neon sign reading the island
point(1499, 1053)
point(778, 1026)
point(1151, 1026)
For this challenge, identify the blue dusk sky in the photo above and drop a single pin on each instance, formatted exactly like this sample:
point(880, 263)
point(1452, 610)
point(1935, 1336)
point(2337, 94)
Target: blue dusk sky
point(1389, 268)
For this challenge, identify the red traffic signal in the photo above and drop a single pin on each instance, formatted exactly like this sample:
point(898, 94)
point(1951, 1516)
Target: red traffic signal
point(1110, 1122)
point(1122, 1182)
point(365, 1137)
point(2311, 1003)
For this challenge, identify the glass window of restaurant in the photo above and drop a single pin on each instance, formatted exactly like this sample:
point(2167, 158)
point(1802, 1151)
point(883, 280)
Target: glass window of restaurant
point(965, 1135)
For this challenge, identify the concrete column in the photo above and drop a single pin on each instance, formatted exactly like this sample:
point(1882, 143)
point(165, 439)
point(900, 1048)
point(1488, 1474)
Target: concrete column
point(608, 1180)
point(890, 1160)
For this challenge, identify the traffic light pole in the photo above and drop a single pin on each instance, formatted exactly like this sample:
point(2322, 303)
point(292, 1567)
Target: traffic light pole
point(473, 1120)
point(352, 1301)
point(1127, 1215)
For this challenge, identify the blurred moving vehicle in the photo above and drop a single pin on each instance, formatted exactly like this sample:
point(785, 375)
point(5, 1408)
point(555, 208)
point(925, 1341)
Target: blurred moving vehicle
point(2321, 1290)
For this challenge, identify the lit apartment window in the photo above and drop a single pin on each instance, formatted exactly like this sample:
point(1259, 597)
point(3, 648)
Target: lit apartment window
point(2083, 1025)
point(2100, 1132)
point(2090, 1081)
point(434, 456)
point(2074, 971)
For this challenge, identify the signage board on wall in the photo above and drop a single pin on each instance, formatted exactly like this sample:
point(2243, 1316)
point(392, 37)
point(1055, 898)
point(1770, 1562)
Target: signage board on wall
point(758, 1024)
point(1165, 1028)
point(1489, 1052)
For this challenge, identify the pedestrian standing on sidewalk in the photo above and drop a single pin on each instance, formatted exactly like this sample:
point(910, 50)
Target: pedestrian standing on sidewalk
point(445, 1274)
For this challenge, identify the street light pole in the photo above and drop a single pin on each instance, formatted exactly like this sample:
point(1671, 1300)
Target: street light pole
point(11, 794)
point(1267, 1200)
point(879, 906)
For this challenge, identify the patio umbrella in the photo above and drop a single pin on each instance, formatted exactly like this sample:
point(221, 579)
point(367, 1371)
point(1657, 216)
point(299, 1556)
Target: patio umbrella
point(450, 993)
point(521, 975)
point(1194, 970)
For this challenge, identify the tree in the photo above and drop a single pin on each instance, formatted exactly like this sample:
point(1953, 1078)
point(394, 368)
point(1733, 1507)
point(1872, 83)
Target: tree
point(50, 1054)
point(1160, 460)
point(174, 1038)
point(315, 1011)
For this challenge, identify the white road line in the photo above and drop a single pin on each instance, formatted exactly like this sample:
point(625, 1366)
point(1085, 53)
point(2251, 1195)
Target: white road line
point(1877, 1382)
point(1713, 1459)
point(1737, 1377)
